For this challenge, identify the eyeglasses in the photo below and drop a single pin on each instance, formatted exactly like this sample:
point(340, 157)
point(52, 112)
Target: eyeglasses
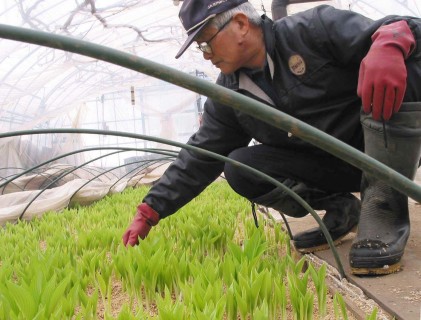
point(205, 45)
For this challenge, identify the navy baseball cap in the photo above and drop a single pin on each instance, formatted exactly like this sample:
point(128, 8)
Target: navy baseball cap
point(195, 14)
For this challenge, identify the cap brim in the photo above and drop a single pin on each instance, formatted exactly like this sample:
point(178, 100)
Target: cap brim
point(189, 40)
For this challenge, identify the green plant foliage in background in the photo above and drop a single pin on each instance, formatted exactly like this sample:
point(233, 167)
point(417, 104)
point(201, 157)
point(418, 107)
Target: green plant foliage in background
point(208, 261)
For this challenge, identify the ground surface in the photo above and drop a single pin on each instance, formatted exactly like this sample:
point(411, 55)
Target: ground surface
point(398, 294)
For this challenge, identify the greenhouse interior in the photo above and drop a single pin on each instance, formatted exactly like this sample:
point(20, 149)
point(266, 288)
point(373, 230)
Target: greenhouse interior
point(83, 138)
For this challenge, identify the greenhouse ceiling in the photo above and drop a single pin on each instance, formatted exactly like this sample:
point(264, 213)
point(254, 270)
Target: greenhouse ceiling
point(39, 83)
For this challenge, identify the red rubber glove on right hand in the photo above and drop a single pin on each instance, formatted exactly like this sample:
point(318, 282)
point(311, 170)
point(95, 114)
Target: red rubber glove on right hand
point(144, 220)
point(382, 77)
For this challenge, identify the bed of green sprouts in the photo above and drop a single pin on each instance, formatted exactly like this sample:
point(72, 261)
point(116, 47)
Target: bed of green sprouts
point(208, 261)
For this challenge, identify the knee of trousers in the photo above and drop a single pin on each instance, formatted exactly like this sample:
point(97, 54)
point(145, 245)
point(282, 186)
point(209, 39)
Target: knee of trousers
point(280, 201)
point(238, 178)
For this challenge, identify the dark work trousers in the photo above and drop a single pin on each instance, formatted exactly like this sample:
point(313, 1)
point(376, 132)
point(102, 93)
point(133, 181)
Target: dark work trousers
point(323, 172)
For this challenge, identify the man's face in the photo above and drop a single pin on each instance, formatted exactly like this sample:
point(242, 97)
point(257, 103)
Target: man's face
point(226, 52)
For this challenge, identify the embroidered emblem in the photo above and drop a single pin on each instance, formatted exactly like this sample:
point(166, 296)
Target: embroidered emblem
point(297, 65)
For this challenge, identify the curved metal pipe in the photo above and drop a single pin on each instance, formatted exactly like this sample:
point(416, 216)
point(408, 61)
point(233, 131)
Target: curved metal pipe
point(46, 176)
point(141, 178)
point(61, 176)
point(71, 170)
point(14, 177)
point(143, 166)
point(200, 151)
point(109, 170)
point(222, 95)
point(226, 97)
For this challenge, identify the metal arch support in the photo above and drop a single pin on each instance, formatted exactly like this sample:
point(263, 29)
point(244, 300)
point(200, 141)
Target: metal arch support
point(226, 97)
point(200, 151)
point(222, 95)
point(61, 176)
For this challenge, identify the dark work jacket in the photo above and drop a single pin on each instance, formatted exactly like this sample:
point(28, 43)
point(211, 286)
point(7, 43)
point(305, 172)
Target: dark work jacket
point(314, 59)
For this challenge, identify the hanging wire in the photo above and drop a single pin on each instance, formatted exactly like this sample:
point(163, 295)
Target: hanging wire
point(291, 236)
point(253, 210)
point(263, 7)
point(384, 133)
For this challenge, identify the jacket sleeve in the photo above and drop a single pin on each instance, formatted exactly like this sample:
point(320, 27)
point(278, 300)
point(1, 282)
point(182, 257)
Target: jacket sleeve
point(192, 172)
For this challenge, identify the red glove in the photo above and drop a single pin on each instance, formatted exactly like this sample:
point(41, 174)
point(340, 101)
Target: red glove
point(382, 77)
point(144, 220)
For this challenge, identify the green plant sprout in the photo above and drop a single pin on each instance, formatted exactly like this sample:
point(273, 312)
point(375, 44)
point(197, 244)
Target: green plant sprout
point(206, 262)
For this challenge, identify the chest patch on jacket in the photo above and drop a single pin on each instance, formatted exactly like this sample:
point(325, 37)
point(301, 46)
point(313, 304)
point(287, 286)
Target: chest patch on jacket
point(297, 65)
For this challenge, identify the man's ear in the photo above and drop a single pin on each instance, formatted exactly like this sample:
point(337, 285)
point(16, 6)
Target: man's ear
point(242, 23)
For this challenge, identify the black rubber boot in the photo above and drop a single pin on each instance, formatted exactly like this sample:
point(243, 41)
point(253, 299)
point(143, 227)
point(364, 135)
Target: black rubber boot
point(384, 223)
point(342, 213)
point(341, 218)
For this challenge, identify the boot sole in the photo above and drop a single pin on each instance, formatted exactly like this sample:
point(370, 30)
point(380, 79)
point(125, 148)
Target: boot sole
point(325, 246)
point(376, 271)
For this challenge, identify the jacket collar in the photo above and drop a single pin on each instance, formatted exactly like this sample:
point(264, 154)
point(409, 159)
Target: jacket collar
point(269, 38)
